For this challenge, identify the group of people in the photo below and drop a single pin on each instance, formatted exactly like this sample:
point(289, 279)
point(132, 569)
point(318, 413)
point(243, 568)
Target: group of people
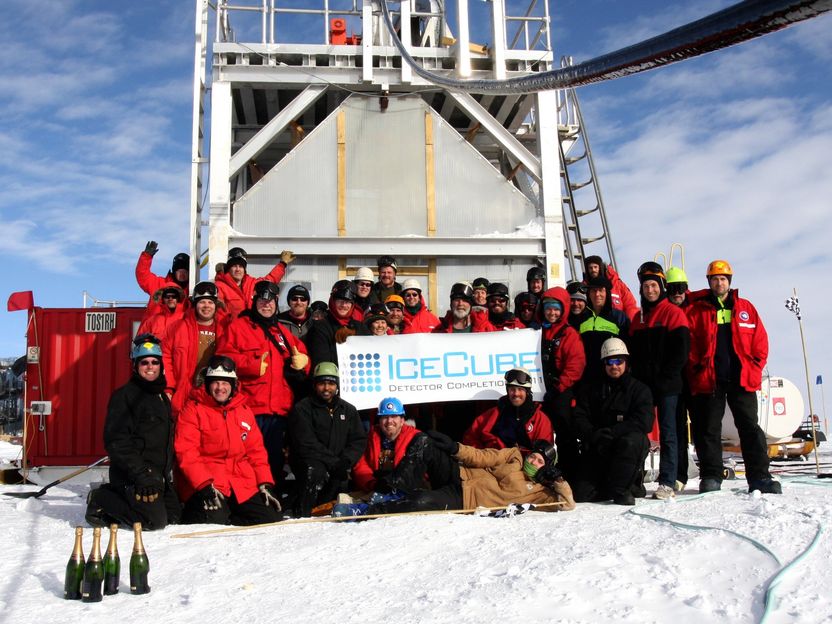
point(226, 389)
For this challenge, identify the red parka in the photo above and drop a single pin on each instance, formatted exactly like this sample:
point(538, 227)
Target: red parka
point(362, 472)
point(238, 298)
point(245, 342)
point(180, 349)
point(478, 320)
point(479, 434)
point(423, 322)
point(620, 294)
point(159, 321)
point(748, 337)
point(151, 283)
point(220, 444)
point(561, 347)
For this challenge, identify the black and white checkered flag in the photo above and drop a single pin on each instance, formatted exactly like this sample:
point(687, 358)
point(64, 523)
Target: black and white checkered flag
point(793, 305)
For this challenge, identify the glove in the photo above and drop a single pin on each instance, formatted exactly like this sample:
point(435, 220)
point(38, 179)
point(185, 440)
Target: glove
point(443, 443)
point(263, 363)
point(151, 248)
point(268, 497)
point(287, 257)
point(211, 497)
point(299, 360)
point(341, 470)
point(343, 333)
point(148, 485)
point(602, 440)
point(548, 475)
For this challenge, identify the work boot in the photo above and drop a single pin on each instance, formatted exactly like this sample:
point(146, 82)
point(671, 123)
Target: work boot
point(709, 485)
point(664, 492)
point(766, 486)
point(624, 498)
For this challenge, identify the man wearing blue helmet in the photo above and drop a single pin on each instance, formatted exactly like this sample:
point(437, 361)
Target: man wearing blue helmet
point(138, 436)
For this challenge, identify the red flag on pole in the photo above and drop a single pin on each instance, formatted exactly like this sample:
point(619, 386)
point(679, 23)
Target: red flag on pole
point(23, 300)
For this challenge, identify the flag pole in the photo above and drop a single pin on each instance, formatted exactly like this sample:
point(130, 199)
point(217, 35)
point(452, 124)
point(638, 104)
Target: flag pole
point(796, 310)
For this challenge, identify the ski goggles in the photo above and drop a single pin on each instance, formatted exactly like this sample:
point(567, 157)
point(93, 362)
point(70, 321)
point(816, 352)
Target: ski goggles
point(222, 361)
point(613, 361)
point(517, 377)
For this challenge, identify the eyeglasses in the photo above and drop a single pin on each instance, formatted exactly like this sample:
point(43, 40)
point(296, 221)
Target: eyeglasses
point(410, 294)
point(613, 361)
point(298, 298)
point(149, 362)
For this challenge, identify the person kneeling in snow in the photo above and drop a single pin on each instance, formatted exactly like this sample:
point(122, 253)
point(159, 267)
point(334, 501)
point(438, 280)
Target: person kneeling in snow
point(466, 478)
point(227, 478)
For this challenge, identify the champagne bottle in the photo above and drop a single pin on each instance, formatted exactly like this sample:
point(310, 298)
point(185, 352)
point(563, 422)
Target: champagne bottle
point(75, 568)
point(93, 571)
point(139, 564)
point(112, 564)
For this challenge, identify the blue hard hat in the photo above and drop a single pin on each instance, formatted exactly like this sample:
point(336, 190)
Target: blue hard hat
point(146, 348)
point(390, 406)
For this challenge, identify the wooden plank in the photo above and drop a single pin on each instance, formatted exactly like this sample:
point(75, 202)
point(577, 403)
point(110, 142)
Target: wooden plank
point(430, 178)
point(342, 173)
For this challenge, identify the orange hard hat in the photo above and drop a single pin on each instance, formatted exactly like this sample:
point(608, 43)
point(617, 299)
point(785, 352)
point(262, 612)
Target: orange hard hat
point(719, 267)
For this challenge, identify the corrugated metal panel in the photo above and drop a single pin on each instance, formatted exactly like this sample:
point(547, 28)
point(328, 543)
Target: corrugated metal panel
point(298, 196)
point(385, 167)
point(472, 197)
point(452, 270)
point(78, 371)
point(318, 275)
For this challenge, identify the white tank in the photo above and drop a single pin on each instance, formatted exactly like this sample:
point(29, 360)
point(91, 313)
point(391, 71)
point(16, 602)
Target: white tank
point(779, 408)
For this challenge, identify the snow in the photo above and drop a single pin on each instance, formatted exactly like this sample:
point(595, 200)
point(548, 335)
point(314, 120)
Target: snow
point(599, 563)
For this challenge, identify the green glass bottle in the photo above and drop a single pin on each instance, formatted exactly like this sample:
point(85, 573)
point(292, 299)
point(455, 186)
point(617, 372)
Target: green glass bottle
point(93, 571)
point(75, 568)
point(139, 564)
point(112, 564)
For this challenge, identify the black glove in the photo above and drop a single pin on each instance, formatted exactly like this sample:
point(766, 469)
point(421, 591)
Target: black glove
point(148, 485)
point(211, 498)
point(152, 247)
point(602, 440)
point(548, 475)
point(268, 497)
point(443, 442)
point(383, 479)
point(341, 470)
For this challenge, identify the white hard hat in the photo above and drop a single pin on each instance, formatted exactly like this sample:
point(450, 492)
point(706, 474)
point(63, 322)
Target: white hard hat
point(364, 274)
point(613, 347)
point(411, 283)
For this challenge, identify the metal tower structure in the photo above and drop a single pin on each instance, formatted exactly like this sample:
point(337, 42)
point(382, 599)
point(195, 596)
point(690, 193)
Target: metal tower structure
point(324, 142)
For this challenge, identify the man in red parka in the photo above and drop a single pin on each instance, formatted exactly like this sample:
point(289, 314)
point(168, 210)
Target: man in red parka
point(236, 286)
point(151, 283)
point(563, 359)
point(190, 343)
point(269, 361)
point(516, 420)
point(386, 445)
point(225, 467)
point(728, 351)
point(167, 312)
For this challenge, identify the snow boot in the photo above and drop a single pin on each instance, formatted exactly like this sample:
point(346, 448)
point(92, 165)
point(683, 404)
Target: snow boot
point(709, 485)
point(624, 498)
point(766, 486)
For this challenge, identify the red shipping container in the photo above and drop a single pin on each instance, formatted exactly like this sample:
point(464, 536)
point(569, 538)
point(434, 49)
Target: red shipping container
point(75, 359)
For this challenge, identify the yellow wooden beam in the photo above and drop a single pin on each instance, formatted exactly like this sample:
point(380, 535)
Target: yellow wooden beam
point(430, 180)
point(342, 173)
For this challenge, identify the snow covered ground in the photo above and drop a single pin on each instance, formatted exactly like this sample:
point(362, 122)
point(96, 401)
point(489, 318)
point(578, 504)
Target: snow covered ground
point(599, 563)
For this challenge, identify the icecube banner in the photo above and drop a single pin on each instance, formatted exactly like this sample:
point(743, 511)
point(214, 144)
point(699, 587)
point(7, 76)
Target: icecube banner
point(423, 368)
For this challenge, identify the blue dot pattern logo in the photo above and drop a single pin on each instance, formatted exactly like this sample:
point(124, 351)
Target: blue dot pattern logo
point(364, 373)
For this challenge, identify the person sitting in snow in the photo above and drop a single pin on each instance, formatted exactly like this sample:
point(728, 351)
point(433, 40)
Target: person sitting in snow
point(612, 419)
point(138, 436)
point(225, 467)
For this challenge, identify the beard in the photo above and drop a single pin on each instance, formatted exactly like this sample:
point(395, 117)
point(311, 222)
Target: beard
point(461, 313)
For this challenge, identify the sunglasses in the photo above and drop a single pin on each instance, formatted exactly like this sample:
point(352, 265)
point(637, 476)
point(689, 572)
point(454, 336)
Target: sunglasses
point(411, 294)
point(170, 296)
point(394, 306)
point(149, 362)
point(364, 284)
point(498, 299)
point(298, 298)
point(677, 288)
point(613, 361)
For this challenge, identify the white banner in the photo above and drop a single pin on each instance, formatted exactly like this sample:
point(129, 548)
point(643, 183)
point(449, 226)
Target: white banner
point(423, 368)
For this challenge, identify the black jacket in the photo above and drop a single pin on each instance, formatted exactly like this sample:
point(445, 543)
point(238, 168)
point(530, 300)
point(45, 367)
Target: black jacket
point(326, 433)
point(624, 405)
point(138, 433)
point(659, 345)
point(320, 340)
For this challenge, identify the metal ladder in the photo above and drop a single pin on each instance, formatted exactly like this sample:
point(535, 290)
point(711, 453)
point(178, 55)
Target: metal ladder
point(577, 173)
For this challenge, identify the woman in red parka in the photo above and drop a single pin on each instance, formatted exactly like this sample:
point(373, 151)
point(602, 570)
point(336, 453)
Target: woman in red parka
point(563, 358)
point(225, 467)
point(236, 286)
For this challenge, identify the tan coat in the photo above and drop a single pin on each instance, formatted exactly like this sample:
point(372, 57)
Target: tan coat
point(495, 477)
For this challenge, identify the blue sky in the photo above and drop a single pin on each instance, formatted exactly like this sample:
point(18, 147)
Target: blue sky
point(728, 154)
